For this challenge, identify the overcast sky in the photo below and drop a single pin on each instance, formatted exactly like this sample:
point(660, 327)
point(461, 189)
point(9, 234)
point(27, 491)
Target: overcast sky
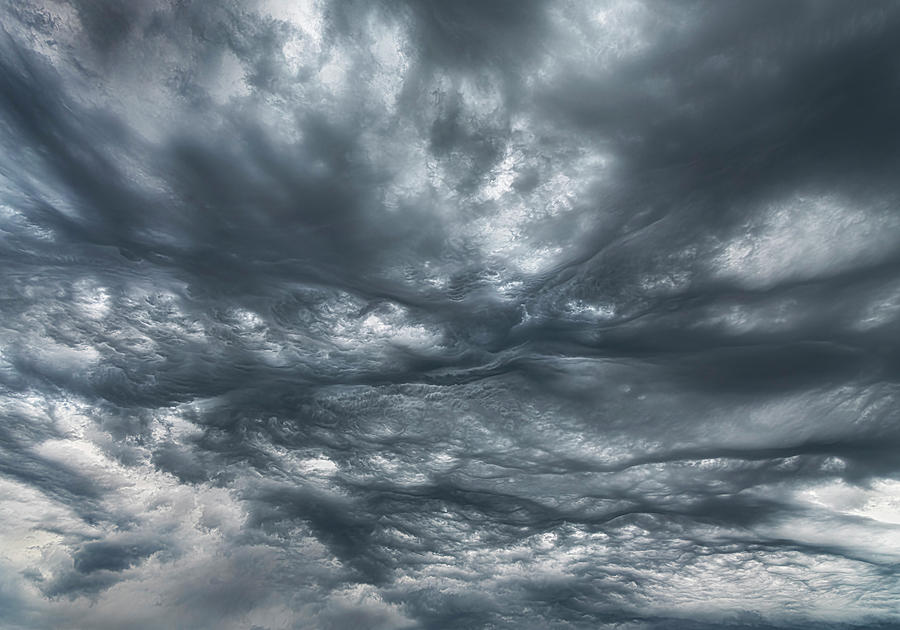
point(376, 315)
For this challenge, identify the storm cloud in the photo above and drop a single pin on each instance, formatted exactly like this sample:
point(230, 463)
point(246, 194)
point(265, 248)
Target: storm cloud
point(433, 315)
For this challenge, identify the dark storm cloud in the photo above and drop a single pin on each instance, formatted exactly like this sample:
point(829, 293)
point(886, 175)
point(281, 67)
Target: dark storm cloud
point(449, 315)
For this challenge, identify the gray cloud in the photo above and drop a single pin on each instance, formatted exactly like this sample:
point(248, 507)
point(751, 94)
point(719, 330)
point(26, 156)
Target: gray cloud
point(449, 315)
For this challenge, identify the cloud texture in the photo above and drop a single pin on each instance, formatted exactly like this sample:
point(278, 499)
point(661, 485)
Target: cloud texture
point(430, 314)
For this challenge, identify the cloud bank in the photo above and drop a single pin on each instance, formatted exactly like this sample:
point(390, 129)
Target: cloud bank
point(427, 314)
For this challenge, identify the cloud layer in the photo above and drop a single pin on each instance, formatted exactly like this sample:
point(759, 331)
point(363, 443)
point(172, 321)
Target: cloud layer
point(441, 314)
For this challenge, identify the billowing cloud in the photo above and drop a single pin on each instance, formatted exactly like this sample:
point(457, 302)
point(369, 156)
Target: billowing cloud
point(321, 315)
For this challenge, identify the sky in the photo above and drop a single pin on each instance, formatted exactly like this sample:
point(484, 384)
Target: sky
point(422, 314)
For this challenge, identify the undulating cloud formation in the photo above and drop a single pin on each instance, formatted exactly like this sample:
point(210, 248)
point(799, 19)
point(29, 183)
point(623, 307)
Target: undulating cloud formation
point(457, 314)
